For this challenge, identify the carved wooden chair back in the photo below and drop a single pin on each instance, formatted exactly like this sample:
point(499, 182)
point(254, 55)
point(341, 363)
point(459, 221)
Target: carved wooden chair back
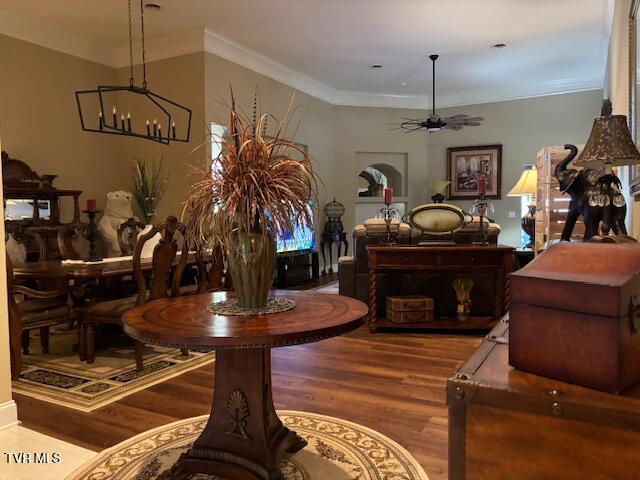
point(128, 235)
point(210, 279)
point(17, 238)
point(73, 243)
point(162, 284)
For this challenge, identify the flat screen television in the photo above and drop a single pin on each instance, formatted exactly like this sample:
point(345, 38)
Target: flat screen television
point(302, 238)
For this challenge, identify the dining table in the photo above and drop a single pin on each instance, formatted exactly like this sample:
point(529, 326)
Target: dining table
point(82, 270)
point(244, 439)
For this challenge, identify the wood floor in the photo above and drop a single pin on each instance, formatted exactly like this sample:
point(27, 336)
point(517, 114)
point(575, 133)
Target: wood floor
point(391, 382)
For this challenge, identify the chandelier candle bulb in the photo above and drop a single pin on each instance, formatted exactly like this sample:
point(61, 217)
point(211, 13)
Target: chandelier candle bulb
point(173, 130)
point(122, 122)
point(148, 128)
point(100, 120)
point(482, 185)
point(155, 127)
point(159, 131)
point(115, 117)
point(129, 121)
point(388, 196)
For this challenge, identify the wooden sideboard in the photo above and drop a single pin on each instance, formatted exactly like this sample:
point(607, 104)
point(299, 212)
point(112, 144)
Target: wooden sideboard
point(22, 184)
point(504, 423)
point(430, 270)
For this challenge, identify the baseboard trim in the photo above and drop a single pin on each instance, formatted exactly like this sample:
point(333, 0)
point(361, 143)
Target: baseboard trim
point(8, 415)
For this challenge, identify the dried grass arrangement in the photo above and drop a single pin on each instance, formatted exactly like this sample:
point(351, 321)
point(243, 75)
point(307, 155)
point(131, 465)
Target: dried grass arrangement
point(148, 186)
point(463, 286)
point(259, 187)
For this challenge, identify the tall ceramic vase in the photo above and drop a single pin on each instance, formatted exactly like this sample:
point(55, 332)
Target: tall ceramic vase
point(251, 259)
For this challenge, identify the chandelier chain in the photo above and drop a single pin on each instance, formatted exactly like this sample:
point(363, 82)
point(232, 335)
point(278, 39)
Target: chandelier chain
point(131, 79)
point(144, 61)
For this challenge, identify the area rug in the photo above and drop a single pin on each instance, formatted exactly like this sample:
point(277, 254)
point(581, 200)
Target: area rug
point(336, 450)
point(330, 288)
point(60, 377)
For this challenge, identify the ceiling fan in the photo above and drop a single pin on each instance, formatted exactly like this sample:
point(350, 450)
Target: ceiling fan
point(434, 122)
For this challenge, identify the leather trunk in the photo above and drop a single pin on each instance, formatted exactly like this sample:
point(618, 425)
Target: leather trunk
point(572, 315)
point(509, 424)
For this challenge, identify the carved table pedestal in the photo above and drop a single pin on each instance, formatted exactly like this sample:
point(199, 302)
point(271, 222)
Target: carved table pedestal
point(244, 439)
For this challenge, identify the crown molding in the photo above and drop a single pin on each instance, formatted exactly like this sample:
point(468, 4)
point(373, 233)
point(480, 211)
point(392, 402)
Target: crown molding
point(235, 52)
point(203, 39)
point(160, 48)
point(45, 36)
point(460, 99)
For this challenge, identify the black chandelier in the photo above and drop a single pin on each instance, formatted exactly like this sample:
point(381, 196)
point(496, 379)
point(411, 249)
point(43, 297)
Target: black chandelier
point(158, 109)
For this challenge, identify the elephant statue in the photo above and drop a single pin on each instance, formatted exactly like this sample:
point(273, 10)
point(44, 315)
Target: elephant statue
point(594, 195)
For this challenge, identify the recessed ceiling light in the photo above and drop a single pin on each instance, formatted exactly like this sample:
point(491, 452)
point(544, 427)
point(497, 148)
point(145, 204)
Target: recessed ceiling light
point(152, 5)
point(377, 65)
point(499, 45)
point(403, 84)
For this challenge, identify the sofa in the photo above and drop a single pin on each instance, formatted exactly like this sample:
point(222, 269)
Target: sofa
point(353, 271)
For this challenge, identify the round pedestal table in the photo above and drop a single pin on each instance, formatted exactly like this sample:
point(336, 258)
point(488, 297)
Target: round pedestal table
point(244, 439)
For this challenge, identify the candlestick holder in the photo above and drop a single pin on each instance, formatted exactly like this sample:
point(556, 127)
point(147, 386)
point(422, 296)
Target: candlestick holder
point(92, 235)
point(388, 213)
point(481, 205)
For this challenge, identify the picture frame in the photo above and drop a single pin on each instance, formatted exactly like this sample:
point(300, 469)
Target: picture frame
point(464, 164)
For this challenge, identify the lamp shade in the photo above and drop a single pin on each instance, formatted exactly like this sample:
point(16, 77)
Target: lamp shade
point(440, 186)
point(610, 142)
point(527, 184)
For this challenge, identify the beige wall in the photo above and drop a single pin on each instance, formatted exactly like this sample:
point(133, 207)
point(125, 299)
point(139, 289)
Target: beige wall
point(617, 73)
point(365, 129)
point(521, 126)
point(8, 413)
point(99, 163)
point(40, 123)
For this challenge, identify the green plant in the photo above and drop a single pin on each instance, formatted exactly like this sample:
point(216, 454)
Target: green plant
point(148, 186)
point(259, 183)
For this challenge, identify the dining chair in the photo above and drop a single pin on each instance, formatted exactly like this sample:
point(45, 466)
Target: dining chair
point(29, 309)
point(127, 234)
point(73, 243)
point(18, 240)
point(164, 282)
point(210, 272)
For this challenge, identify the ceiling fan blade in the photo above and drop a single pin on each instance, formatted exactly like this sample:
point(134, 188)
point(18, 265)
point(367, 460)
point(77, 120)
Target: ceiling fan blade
point(453, 127)
point(459, 115)
point(473, 124)
point(474, 119)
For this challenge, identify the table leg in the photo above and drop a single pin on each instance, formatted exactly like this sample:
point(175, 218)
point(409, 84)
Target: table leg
point(244, 439)
point(373, 302)
point(331, 257)
point(324, 257)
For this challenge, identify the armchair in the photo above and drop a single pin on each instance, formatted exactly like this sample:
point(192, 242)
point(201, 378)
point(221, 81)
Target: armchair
point(38, 309)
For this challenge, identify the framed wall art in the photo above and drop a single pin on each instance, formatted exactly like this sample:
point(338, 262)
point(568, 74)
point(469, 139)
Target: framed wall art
point(465, 164)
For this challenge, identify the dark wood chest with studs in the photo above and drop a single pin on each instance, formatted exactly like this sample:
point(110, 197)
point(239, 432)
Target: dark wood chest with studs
point(509, 424)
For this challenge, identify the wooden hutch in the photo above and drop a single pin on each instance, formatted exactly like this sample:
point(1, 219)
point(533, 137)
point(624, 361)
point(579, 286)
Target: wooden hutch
point(22, 186)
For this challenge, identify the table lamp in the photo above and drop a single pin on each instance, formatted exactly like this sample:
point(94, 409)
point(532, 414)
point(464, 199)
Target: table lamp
point(439, 188)
point(610, 144)
point(526, 187)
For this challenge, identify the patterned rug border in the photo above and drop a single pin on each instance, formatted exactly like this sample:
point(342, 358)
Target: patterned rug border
point(28, 390)
point(85, 469)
